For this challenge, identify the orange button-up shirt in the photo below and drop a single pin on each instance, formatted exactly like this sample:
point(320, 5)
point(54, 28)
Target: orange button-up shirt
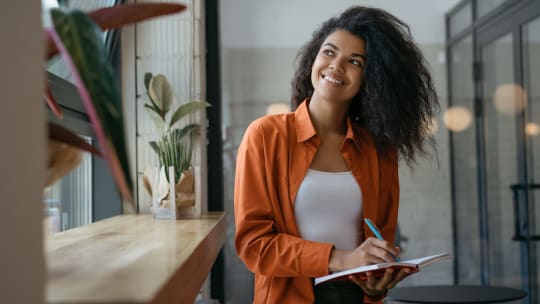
point(272, 160)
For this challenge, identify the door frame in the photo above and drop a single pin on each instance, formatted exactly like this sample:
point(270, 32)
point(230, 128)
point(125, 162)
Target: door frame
point(484, 31)
point(510, 22)
point(485, 38)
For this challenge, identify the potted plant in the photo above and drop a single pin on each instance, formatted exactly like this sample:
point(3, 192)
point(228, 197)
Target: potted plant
point(175, 176)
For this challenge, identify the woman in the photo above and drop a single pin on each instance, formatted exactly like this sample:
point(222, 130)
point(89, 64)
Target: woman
point(305, 180)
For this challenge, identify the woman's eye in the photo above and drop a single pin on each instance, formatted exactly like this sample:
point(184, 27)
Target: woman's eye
point(328, 52)
point(357, 62)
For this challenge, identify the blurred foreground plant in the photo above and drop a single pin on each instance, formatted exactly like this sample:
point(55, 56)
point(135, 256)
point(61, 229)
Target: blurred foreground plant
point(76, 36)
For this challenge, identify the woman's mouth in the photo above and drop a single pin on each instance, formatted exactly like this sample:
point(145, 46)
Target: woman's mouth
point(332, 80)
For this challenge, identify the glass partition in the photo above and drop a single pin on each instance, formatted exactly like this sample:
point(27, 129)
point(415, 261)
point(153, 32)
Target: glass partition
point(531, 76)
point(502, 105)
point(461, 19)
point(484, 7)
point(459, 120)
point(502, 222)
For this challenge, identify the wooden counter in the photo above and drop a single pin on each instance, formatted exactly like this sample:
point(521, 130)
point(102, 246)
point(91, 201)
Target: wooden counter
point(133, 259)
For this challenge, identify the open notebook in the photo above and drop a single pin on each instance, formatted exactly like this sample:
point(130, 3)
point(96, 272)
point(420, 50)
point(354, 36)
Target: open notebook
point(378, 269)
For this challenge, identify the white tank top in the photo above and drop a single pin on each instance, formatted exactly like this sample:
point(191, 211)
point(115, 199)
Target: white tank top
point(328, 209)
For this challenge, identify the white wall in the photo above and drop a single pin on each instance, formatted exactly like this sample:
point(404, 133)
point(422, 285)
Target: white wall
point(22, 161)
point(168, 45)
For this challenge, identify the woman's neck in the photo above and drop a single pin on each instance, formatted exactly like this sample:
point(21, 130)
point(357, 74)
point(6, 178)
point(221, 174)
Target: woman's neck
point(328, 117)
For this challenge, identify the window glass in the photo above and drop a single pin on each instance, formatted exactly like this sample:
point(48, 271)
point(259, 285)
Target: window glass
point(502, 99)
point(486, 6)
point(531, 75)
point(57, 65)
point(68, 202)
point(461, 19)
point(459, 120)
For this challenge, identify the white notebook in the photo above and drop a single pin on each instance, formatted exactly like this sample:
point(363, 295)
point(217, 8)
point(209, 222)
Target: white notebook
point(414, 264)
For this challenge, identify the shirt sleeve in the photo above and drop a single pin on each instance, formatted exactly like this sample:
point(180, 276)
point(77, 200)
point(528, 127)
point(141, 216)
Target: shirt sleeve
point(261, 247)
point(388, 211)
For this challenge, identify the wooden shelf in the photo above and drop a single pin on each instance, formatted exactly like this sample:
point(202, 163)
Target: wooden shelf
point(133, 259)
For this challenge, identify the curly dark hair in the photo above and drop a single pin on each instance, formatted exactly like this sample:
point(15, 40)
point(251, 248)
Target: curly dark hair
point(397, 99)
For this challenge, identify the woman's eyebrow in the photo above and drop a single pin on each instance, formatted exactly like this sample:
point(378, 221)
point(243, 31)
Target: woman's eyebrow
point(358, 55)
point(336, 48)
point(331, 45)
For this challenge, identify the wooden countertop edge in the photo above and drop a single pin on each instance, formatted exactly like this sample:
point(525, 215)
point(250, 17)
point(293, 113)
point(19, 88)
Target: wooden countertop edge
point(186, 282)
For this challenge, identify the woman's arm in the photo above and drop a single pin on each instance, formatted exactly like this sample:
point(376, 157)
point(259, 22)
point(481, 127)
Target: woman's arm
point(261, 247)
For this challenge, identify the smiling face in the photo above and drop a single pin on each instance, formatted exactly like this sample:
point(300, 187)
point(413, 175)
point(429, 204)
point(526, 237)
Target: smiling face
point(338, 70)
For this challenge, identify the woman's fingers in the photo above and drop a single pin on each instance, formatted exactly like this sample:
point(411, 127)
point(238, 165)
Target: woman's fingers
point(399, 277)
point(369, 285)
point(375, 286)
point(387, 279)
point(383, 254)
point(373, 257)
point(357, 279)
point(381, 249)
point(371, 251)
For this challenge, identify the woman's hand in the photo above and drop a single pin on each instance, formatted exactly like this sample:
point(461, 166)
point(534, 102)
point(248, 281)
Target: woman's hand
point(371, 251)
point(374, 287)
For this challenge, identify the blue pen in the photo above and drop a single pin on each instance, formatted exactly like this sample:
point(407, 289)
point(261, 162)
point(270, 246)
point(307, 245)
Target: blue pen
point(377, 233)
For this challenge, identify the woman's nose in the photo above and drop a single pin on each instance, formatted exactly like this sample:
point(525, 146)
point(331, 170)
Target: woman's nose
point(336, 67)
point(337, 64)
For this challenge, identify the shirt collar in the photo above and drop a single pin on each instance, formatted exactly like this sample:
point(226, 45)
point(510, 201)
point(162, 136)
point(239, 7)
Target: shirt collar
point(305, 129)
point(351, 134)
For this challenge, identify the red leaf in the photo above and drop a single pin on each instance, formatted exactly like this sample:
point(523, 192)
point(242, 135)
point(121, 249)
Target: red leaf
point(117, 16)
point(120, 15)
point(61, 134)
point(53, 105)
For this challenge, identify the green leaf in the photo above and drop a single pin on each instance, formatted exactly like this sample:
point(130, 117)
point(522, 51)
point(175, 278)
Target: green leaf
point(158, 120)
point(147, 77)
point(155, 147)
point(180, 133)
point(154, 106)
point(80, 41)
point(161, 93)
point(187, 108)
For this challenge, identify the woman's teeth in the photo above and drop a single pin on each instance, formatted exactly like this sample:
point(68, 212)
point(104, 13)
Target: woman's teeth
point(332, 80)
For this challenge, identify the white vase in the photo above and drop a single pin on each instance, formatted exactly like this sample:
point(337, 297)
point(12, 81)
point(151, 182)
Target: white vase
point(194, 211)
point(162, 192)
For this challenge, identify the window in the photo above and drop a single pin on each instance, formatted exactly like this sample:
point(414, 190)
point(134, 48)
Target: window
point(460, 19)
point(68, 202)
